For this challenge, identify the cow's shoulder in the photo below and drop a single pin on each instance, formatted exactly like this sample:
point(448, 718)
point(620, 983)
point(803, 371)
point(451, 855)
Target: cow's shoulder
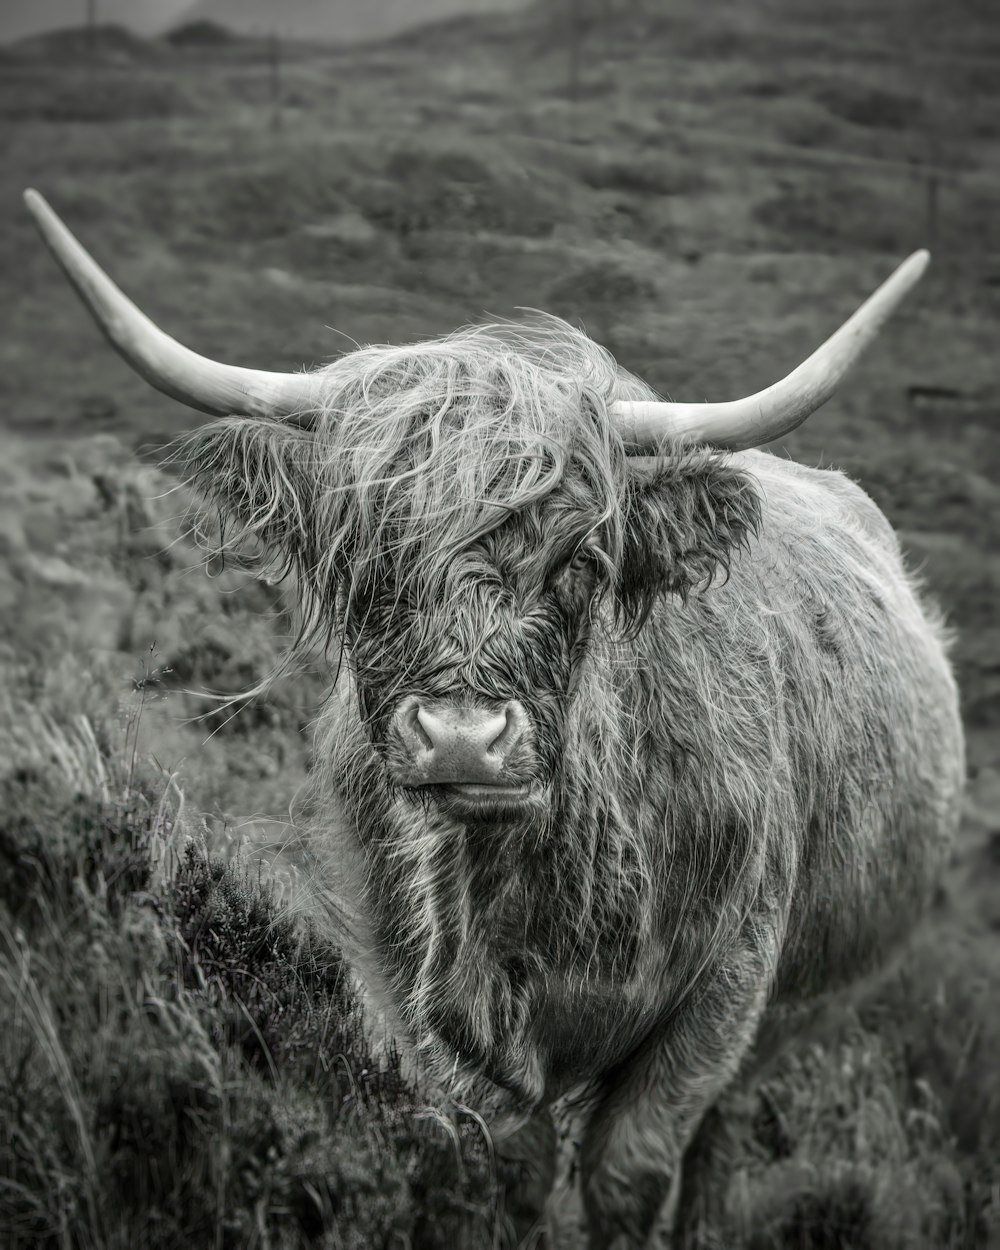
point(799, 499)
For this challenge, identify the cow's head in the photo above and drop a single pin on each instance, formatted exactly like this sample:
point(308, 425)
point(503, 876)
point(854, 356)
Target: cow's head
point(462, 514)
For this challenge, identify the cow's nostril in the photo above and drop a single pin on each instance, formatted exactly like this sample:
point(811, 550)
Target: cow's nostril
point(513, 726)
point(504, 737)
point(491, 731)
point(423, 724)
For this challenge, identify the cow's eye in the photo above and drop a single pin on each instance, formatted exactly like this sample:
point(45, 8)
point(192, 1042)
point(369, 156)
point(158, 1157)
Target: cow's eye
point(583, 561)
point(576, 576)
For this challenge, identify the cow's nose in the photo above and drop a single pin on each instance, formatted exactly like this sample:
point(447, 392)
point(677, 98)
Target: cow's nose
point(446, 743)
point(477, 731)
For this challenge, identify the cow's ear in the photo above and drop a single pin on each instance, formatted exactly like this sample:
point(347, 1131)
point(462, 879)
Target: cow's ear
point(255, 472)
point(683, 519)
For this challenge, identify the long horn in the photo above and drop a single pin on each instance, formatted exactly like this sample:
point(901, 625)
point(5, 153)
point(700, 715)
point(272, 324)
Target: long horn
point(169, 366)
point(759, 418)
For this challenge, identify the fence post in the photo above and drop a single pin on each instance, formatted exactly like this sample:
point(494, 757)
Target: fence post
point(574, 32)
point(274, 62)
point(931, 221)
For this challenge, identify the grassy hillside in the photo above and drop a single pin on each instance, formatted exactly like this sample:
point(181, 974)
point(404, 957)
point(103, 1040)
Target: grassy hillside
point(710, 191)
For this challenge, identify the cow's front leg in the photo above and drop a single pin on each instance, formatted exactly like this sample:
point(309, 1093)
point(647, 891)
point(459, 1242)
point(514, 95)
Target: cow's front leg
point(705, 1174)
point(526, 1163)
point(650, 1106)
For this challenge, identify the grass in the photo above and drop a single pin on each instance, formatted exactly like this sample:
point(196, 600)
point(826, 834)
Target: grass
point(182, 1060)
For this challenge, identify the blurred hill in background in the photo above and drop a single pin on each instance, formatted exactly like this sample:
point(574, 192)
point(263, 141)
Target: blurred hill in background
point(332, 20)
point(338, 20)
point(29, 17)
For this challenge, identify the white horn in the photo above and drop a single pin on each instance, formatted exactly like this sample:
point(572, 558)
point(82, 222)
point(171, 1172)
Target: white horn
point(169, 366)
point(759, 418)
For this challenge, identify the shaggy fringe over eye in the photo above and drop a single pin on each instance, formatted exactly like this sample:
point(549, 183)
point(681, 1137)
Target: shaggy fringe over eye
point(414, 453)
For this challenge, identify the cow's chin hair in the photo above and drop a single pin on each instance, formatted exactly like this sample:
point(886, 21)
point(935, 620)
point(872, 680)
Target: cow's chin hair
point(458, 889)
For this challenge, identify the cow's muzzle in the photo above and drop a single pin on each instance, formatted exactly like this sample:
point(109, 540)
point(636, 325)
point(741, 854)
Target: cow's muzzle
point(445, 743)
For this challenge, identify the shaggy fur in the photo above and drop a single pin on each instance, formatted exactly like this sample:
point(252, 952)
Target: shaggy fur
point(744, 737)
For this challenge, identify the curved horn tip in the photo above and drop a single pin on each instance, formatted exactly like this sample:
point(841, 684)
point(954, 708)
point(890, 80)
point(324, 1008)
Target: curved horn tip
point(42, 212)
point(898, 284)
point(916, 263)
point(34, 200)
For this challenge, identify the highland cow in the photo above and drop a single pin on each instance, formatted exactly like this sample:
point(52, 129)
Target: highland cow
point(642, 745)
